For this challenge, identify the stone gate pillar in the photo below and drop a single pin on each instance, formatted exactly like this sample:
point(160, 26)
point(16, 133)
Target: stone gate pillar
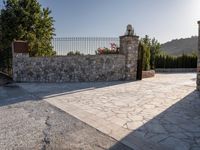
point(198, 63)
point(129, 47)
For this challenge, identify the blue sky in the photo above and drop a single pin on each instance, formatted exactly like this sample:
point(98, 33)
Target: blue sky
point(162, 19)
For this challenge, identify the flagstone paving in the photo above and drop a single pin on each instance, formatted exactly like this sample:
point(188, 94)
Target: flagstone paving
point(155, 113)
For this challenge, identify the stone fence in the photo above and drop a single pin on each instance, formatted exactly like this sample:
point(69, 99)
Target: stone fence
point(77, 68)
point(69, 68)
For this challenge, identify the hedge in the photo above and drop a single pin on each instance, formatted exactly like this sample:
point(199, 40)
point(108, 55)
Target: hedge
point(184, 61)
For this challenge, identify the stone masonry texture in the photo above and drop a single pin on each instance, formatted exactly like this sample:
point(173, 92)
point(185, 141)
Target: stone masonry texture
point(198, 65)
point(68, 68)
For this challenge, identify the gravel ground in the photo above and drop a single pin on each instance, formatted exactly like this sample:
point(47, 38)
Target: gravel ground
point(28, 123)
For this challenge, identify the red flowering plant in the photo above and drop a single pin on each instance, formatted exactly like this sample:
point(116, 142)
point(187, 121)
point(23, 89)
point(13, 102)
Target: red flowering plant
point(112, 50)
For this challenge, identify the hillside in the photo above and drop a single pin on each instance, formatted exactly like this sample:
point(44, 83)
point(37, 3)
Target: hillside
point(180, 46)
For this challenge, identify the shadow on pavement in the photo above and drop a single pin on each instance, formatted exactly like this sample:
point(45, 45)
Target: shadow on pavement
point(15, 93)
point(177, 128)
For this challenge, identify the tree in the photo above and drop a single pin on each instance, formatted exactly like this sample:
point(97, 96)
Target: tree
point(151, 50)
point(145, 43)
point(27, 20)
point(154, 51)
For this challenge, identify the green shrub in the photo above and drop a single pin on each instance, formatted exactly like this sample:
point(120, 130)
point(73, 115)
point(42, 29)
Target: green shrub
point(76, 53)
point(151, 48)
point(184, 61)
point(146, 57)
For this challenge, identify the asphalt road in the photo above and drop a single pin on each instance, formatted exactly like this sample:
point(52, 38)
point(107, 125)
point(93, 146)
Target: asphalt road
point(30, 123)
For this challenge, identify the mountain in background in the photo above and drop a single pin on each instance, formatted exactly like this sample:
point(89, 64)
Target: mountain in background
point(179, 46)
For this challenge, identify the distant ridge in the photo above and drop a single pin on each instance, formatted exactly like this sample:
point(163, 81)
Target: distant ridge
point(179, 46)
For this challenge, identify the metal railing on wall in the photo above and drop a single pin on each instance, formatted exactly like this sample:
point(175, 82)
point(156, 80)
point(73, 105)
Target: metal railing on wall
point(84, 45)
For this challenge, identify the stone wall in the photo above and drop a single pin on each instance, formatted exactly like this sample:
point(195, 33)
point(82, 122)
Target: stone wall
point(77, 68)
point(198, 64)
point(68, 68)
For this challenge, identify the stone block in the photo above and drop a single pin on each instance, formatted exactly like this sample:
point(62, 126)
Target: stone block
point(148, 74)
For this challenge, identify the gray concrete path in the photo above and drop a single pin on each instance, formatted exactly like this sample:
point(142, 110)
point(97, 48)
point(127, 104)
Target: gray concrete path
point(157, 113)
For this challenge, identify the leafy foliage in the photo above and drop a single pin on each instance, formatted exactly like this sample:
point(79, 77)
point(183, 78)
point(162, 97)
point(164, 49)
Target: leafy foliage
point(112, 50)
point(77, 53)
point(154, 51)
point(151, 48)
point(184, 61)
point(26, 20)
point(6, 61)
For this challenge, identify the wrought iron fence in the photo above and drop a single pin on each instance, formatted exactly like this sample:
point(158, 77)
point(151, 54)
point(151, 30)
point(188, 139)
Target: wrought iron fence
point(84, 45)
point(6, 61)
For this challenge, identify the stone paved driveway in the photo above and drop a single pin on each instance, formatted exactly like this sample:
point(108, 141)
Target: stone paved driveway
point(157, 113)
